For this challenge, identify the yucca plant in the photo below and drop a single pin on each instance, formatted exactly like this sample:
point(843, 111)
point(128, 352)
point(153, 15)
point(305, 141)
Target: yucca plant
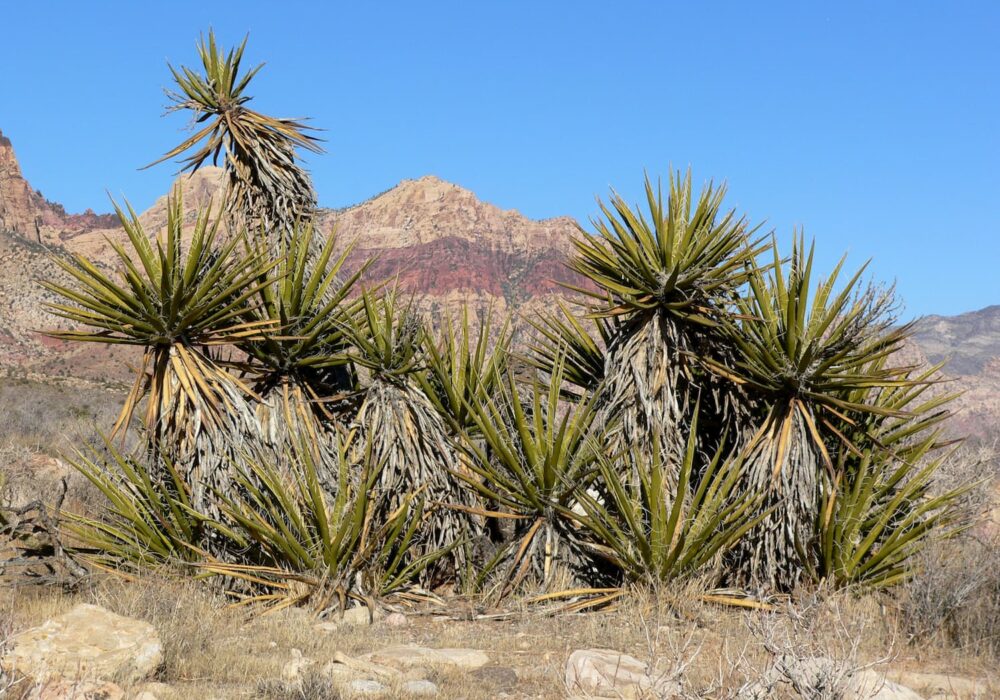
point(537, 453)
point(579, 341)
point(667, 277)
point(880, 507)
point(177, 301)
point(465, 366)
point(408, 435)
point(880, 512)
point(300, 366)
point(804, 355)
point(305, 543)
point(652, 539)
point(267, 189)
point(147, 522)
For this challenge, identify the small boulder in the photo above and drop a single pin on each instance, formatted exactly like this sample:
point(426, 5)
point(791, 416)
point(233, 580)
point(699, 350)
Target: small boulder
point(367, 688)
point(359, 616)
point(396, 620)
point(420, 689)
point(88, 642)
point(605, 673)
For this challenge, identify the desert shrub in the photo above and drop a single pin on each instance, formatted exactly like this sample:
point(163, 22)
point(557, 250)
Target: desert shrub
point(954, 595)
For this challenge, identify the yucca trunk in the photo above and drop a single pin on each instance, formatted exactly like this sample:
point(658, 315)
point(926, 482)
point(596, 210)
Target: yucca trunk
point(292, 417)
point(783, 464)
point(201, 420)
point(651, 385)
point(410, 445)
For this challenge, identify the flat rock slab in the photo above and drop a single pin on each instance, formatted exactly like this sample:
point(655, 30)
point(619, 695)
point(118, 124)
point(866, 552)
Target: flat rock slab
point(78, 690)
point(605, 673)
point(406, 656)
point(946, 684)
point(88, 642)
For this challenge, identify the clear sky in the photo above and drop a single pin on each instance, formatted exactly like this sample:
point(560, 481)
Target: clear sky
point(872, 124)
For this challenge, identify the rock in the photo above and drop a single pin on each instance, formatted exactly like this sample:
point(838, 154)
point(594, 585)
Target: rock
point(611, 674)
point(396, 620)
point(873, 685)
point(499, 678)
point(326, 627)
point(88, 642)
point(420, 689)
point(359, 667)
point(77, 690)
point(944, 685)
point(295, 667)
point(367, 688)
point(405, 656)
point(359, 616)
point(154, 691)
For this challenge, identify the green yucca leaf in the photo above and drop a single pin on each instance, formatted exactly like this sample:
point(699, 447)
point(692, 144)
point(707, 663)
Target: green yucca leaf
point(534, 453)
point(651, 537)
point(386, 335)
point(302, 302)
point(148, 521)
point(463, 367)
point(880, 512)
point(683, 258)
point(565, 337)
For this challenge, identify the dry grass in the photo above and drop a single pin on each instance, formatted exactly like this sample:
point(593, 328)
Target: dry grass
point(213, 649)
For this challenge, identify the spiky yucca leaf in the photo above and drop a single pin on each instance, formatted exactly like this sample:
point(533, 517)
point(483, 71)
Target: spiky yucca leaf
point(408, 435)
point(267, 189)
point(465, 366)
point(653, 538)
point(880, 511)
point(808, 358)
point(681, 259)
point(536, 455)
point(147, 523)
point(565, 337)
point(175, 301)
point(303, 303)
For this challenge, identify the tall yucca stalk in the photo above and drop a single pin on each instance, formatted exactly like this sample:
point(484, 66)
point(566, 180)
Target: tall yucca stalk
point(177, 302)
point(301, 367)
point(666, 277)
point(536, 454)
point(408, 435)
point(267, 189)
point(809, 359)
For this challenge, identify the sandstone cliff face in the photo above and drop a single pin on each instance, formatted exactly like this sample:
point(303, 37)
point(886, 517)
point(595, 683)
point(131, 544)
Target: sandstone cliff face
point(26, 213)
point(19, 210)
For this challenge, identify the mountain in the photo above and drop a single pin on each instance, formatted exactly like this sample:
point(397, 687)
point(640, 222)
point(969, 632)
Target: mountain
point(435, 239)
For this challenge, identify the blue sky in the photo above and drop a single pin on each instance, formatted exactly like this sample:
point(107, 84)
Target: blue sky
point(873, 125)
